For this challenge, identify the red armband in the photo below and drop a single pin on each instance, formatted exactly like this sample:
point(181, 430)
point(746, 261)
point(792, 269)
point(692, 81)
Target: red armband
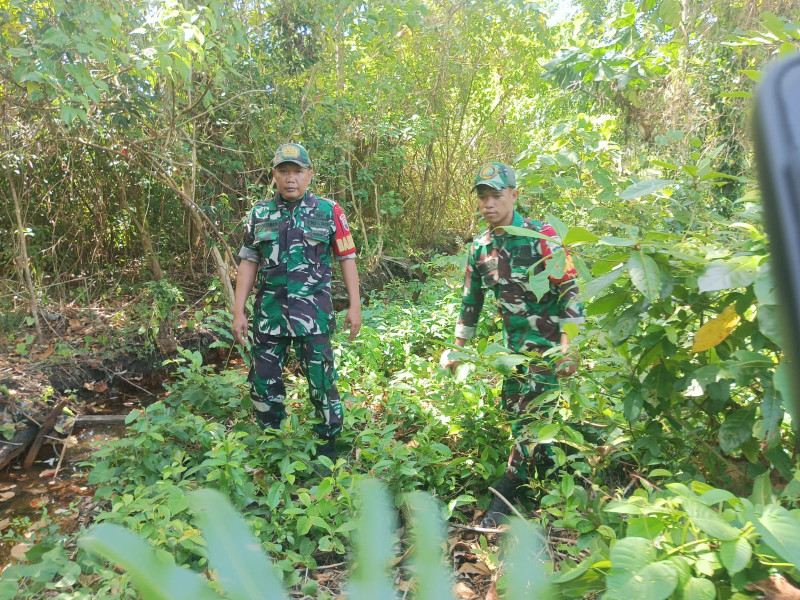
point(343, 244)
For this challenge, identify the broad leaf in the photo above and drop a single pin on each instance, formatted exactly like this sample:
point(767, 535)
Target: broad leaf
point(736, 272)
point(762, 490)
point(780, 531)
point(154, 578)
point(373, 541)
point(771, 323)
point(579, 234)
point(772, 414)
point(714, 331)
point(525, 232)
point(699, 589)
point(238, 560)
point(624, 326)
point(735, 554)
point(736, 430)
point(525, 578)
point(764, 285)
point(645, 275)
point(610, 240)
point(709, 521)
point(643, 188)
point(429, 533)
point(592, 288)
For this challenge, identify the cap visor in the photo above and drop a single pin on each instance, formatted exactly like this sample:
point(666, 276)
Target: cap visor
point(295, 162)
point(491, 184)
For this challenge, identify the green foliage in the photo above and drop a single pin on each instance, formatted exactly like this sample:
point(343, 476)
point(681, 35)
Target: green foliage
point(628, 128)
point(690, 541)
point(244, 572)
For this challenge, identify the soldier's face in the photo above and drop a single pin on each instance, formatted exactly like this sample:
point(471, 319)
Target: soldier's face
point(292, 180)
point(497, 206)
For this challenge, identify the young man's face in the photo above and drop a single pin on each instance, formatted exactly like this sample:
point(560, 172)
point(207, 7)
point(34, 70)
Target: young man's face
point(497, 206)
point(292, 180)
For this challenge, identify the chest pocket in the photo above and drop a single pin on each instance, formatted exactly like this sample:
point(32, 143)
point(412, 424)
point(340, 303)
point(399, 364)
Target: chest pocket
point(315, 241)
point(487, 269)
point(522, 258)
point(266, 237)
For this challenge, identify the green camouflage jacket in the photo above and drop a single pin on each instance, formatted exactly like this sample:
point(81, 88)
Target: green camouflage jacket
point(293, 243)
point(504, 263)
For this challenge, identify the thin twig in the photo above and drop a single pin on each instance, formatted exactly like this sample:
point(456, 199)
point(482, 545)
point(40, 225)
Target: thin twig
point(647, 481)
point(408, 587)
point(333, 566)
point(476, 528)
point(506, 502)
point(61, 457)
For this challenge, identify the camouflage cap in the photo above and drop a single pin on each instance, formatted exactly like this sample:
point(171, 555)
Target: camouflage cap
point(496, 175)
point(293, 153)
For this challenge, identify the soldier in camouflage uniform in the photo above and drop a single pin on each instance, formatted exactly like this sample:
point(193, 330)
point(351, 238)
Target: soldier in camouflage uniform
point(289, 240)
point(503, 263)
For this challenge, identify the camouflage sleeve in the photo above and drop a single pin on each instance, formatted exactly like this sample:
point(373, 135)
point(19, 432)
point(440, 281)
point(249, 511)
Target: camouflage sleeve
point(471, 302)
point(249, 251)
point(570, 310)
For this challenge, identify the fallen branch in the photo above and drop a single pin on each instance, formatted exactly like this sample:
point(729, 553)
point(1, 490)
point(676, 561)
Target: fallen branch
point(91, 420)
point(46, 426)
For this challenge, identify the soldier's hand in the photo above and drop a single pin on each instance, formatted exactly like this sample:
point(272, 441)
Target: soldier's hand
point(448, 363)
point(240, 329)
point(352, 321)
point(567, 365)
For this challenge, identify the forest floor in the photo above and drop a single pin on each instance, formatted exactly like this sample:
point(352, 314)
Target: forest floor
point(95, 358)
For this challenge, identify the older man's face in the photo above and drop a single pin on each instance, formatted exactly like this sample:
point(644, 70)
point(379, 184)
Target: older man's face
point(292, 180)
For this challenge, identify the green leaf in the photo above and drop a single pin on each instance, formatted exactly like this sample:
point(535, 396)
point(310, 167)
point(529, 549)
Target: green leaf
point(735, 554)
point(238, 560)
point(643, 188)
point(669, 11)
point(55, 37)
point(647, 527)
point(645, 275)
point(762, 490)
point(709, 521)
point(540, 283)
point(739, 271)
point(654, 581)
point(631, 554)
point(736, 430)
point(428, 531)
point(622, 327)
point(610, 240)
point(525, 232)
point(374, 543)
point(771, 323)
point(507, 364)
point(772, 415)
point(547, 433)
point(154, 578)
point(579, 234)
point(558, 225)
point(699, 589)
point(525, 577)
point(780, 531)
point(592, 288)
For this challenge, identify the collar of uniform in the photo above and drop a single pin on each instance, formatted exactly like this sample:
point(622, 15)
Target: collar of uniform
point(486, 237)
point(280, 202)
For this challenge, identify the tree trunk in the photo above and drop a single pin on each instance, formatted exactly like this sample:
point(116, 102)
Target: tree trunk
point(219, 261)
point(23, 265)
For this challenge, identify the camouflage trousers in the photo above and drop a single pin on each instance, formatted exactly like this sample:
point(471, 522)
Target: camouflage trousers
point(268, 391)
point(520, 392)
